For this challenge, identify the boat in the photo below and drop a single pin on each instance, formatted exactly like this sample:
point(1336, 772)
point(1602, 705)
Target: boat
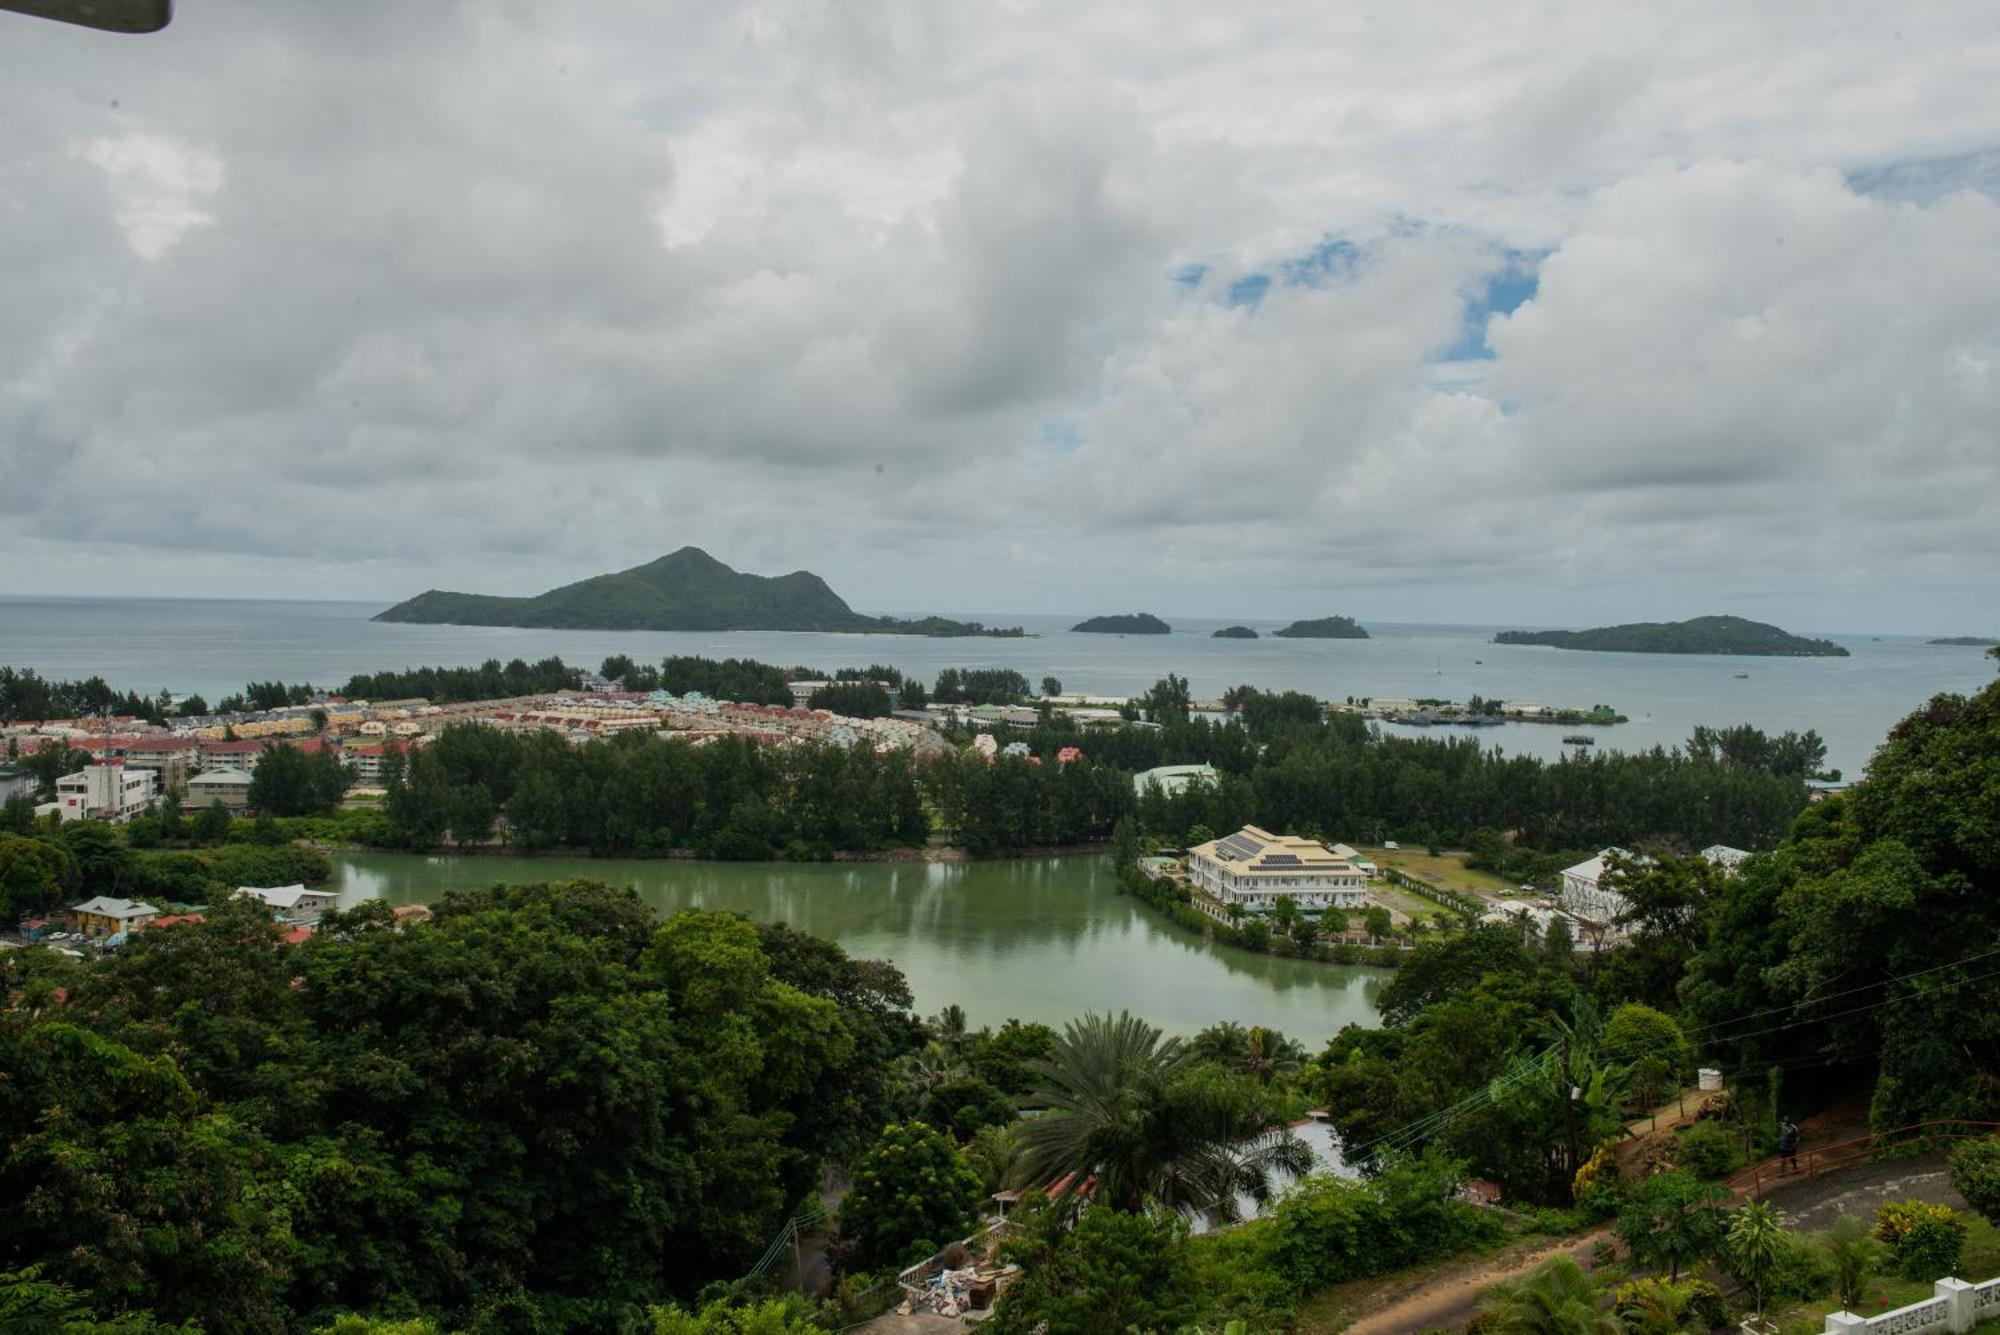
point(1579, 739)
point(1741, 676)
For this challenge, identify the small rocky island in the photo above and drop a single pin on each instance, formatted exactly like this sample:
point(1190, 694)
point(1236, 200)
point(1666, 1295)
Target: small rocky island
point(1965, 641)
point(1129, 623)
point(1701, 635)
point(1323, 628)
point(1234, 633)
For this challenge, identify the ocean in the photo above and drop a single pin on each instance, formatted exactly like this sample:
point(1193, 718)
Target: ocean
point(214, 646)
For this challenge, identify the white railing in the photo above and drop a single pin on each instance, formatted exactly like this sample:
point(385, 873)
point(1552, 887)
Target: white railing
point(1955, 1306)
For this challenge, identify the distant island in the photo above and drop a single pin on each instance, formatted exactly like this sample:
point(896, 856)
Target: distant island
point(1702, 635)
point(1234, 633)
point(1966, 641)
point(1133, 623)
point(687, 590)
point(1323, 628)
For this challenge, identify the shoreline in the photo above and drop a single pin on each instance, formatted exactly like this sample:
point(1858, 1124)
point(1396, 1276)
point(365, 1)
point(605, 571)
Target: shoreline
point(928, 854)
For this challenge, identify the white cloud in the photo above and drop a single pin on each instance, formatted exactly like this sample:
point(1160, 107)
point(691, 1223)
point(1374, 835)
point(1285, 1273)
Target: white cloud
point(397, 296)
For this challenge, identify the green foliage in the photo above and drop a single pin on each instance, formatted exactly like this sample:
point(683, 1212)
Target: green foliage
point(1753, 1246)
point(1853, 1255)
point(1634, 1032)
point(1672, 1219)
point(1697, 635)
point(544, 1099)
point(1134, 1110)
point(789, 1315)
point(979, 686)
point(1975, 1175)
point(1112, 1271)
point(289, 781)
point(1924, 1238)
point(35, 874)
point(911, 1193)
point(1559, 1298)
point(852, 699)
point(1655, 1307)
point(1706, 1150)
point(24, 694)
point(1332, 1229)
point(1802, 1272)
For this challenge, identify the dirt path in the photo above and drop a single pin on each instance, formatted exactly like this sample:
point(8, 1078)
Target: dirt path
point(1448, 1297)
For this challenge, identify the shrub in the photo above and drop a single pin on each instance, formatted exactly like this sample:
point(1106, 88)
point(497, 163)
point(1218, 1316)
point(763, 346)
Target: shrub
point(1802, 1271)
point(1706, 1150)
point(1975, 1174)
point(1596, 1186)
point(1924, 1238)
point(1648, 1304)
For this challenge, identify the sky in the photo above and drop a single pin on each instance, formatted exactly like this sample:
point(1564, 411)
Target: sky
point(1518, 313)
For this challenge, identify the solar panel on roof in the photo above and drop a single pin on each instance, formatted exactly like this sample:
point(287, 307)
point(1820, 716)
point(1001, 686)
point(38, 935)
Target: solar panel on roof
point(1282, 859)
point(1240, 846)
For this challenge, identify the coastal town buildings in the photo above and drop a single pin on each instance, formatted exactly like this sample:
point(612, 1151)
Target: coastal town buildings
point(1253, 869)
point(1173, 779)
point(1585, 895)
point(230, 787)
point(291, 903)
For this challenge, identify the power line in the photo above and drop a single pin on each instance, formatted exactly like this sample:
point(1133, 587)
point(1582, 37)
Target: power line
point(1864, 987)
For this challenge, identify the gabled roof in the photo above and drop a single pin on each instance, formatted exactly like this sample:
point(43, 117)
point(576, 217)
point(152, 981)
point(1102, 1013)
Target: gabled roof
point(282, 896)
point(104, 906)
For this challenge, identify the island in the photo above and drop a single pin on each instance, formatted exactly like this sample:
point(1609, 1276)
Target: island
point(1132, 623)
point(1965, 641)
point(1323, 628)
point(1234, 633)
point(1701, 635)
point(685, 590)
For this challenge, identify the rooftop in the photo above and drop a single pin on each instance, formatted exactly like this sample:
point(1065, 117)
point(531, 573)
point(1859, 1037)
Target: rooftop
point(1256, 851)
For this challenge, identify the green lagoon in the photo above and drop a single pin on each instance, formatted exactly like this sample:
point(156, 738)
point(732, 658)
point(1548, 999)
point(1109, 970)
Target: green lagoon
point(1038, 939)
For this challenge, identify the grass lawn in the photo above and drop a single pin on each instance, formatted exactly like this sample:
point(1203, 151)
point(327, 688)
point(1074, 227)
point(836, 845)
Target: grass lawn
point(1448, 870)
point(1979, 1262)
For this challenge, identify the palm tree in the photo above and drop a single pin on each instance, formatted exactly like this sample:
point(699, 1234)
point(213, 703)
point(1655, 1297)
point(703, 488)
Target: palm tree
point(1854, 1252)
point(1132, 1110)
point(1752, 1247)
point(1559, 1298)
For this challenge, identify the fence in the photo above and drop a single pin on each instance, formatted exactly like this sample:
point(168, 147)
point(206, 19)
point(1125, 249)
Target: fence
point(1437, 894)
point(1753, 1180)
point(1955, 1306)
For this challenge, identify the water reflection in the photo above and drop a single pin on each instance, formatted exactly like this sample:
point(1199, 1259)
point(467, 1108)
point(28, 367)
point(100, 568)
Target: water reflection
point(1041, 939)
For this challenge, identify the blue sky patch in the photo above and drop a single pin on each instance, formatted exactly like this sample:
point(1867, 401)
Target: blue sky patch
point(1502, 293)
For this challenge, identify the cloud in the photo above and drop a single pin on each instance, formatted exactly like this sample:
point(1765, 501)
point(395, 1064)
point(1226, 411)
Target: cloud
point(1008, 308)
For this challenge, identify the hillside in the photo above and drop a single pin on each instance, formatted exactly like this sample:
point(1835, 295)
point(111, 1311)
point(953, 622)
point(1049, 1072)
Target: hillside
point(1234, 633)
point(687, 590)
point(1131, 623)
point(1323, 628)
point(1701, 635)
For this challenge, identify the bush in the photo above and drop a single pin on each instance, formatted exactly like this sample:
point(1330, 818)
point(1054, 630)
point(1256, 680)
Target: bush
point(1644, 1303)
point(1803, 1271)
point(1975, 1174)
point(1924, 1238)
point(1706, 1150)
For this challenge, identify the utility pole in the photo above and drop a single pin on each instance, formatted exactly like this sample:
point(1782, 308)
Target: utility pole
point(1569, 1092)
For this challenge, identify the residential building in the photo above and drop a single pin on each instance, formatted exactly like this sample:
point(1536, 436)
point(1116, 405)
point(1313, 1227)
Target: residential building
point(231, 787)
point(366, 760)
point(104, 916)
point(1256, 869)
point(1585, 895)
point(106, 792)
point(172, 758)
point(1173, 779)
point(292, 903)
point(229, 755)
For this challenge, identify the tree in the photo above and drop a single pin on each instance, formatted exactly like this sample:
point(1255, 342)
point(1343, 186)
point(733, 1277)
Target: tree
point(1168, 700)
point(1975, 1175)
point(1131, 1108)
point(911, 1193)
point(788, 1315)
point(1672, 1219)
point(288, 781)
point(1379, 921)
point(34, 875)
point(1559, 1298)
point(1559, 941)
point(1112, 1271)
point(1754, 1246)
point(1855, 1254)
point(1634, 1032)
point(211, 824)
point(1051, 686)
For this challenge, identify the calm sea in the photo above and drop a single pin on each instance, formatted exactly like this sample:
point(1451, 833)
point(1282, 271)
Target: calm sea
point(214, 646)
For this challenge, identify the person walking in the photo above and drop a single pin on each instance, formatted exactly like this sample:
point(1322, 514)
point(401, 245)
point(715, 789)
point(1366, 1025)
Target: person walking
point(1788, 1145)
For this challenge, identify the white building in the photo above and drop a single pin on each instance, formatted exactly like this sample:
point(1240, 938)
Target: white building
point(1173, 779)
point(106, 792)
point(1584, 894)
point(1353, 854)
point(292, 903)
point(1727, 858)
point(1256, 869)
